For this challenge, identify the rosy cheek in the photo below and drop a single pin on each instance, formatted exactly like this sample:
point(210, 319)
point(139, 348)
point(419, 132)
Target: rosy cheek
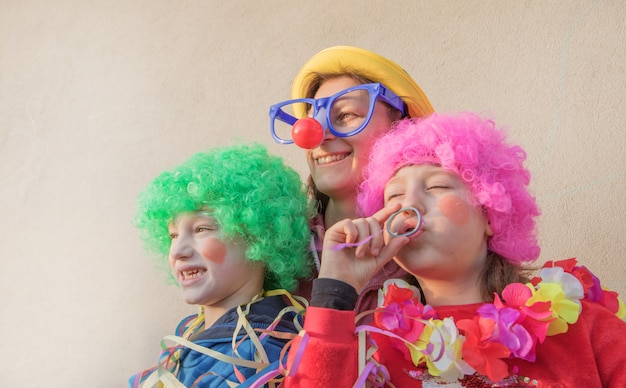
point(214, 250)
point(455, 208)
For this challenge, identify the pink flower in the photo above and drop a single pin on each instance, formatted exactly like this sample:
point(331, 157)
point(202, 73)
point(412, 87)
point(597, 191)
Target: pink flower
point(501, 325)
point(535, 318)
point(401, 312)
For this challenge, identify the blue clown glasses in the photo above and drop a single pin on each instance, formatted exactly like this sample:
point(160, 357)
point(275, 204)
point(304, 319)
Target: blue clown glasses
point(344, 114)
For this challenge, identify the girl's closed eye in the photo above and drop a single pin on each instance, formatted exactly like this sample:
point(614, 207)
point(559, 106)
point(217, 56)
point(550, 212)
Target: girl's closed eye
point(393, 193)
point(437, 186)
point(392, 196)
point(440, 182)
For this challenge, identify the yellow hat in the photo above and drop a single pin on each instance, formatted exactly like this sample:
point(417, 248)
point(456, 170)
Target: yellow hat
point(341, 59)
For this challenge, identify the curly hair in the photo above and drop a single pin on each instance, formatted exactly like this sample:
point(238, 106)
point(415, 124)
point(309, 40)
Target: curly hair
point(476, 151)
point(251, 194)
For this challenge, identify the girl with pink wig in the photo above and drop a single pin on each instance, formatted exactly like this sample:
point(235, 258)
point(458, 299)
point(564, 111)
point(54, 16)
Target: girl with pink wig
point(447, 198)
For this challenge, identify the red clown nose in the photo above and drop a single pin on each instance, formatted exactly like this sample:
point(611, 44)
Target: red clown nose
point(307, 133)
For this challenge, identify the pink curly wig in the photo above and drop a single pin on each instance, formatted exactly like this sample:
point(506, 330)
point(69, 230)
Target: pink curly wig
point(475, 150)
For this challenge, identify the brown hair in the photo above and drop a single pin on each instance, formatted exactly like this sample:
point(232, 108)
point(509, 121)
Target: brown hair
point(500, 272)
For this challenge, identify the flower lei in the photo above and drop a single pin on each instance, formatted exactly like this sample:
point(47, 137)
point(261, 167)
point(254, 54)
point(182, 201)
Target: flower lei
point(509, 327)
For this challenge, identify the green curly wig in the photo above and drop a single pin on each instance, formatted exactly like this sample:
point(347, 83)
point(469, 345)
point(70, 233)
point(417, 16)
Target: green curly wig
point(251, 194)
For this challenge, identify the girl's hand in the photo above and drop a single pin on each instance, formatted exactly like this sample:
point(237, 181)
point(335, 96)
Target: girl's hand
point(357, 265)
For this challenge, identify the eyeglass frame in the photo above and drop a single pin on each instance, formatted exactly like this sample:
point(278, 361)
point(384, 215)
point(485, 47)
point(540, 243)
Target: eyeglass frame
point(376, 90)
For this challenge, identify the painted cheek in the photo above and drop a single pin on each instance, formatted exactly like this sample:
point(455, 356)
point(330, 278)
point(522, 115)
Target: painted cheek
point(455, 209)
point(214, 250)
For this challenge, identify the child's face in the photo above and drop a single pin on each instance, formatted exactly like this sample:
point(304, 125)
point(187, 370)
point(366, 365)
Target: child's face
point(453, 242)
point(337, 164)
point(210, 270)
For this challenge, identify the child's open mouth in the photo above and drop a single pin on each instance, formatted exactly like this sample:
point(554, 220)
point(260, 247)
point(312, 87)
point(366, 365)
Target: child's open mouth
point(191, 274)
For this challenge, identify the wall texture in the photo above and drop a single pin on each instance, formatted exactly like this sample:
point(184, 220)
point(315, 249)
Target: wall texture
point(97, 97)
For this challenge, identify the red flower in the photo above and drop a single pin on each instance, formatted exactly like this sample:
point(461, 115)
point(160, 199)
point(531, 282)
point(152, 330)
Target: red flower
point(484, 356)
point(397, 294)
point(585, 277)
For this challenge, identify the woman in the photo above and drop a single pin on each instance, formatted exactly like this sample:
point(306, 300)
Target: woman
point(355, 95)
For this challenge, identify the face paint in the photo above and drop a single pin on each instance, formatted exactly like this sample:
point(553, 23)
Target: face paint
point(455, 208)
point(214, 250)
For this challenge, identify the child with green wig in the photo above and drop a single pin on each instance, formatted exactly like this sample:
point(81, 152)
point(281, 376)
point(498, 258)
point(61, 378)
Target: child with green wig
point(231, 224)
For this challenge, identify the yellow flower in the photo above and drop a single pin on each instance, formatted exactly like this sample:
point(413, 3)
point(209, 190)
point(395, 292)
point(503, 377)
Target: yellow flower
point(564, 292)
point(440, 345)
point(419, 346)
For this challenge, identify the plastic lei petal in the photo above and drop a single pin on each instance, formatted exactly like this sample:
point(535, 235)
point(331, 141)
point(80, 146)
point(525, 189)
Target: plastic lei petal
point(420, 347)
point(396, 290)
point(538, 319)
point(571, 286)
point(516, 294)
point(564, 310)
point(501, 325)
point(404, 320)
point(444, 358)
point(401, 312)
point(451, 369)
point(484, 357)
point(567, 264)
point(525, 343)
point(590, 282)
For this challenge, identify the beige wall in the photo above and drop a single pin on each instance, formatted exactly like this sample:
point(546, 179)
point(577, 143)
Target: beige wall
point(97, 97)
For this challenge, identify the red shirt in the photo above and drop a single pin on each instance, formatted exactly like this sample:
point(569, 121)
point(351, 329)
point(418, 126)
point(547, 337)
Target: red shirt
point(591, 354)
